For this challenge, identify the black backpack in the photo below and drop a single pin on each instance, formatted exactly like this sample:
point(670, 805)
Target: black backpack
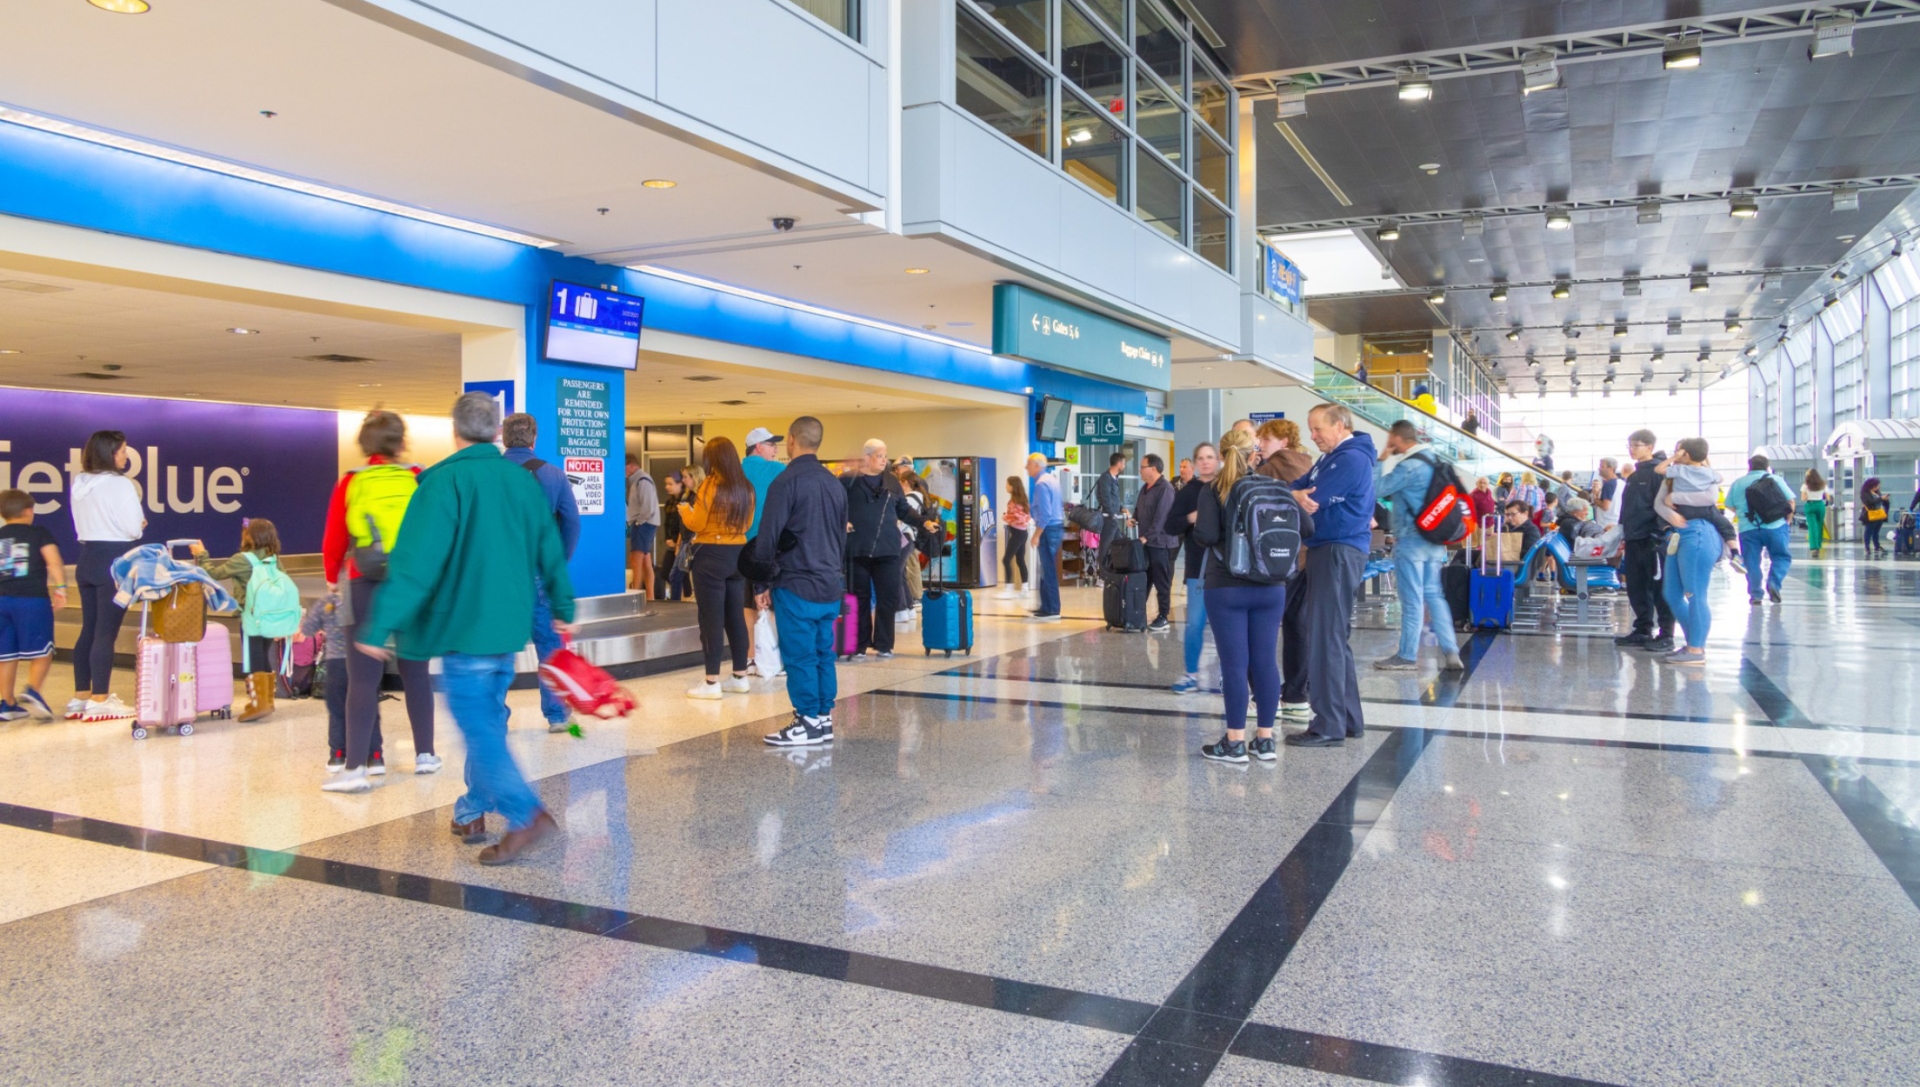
point(1262, 541)
point(1767, 501)
point(1445, 515)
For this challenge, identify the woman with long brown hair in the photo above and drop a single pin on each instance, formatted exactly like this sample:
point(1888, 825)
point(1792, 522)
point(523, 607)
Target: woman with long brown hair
point(1015, 525)
point(718, 515)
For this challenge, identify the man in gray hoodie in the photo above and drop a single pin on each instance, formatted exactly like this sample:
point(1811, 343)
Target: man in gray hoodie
point(643, 520)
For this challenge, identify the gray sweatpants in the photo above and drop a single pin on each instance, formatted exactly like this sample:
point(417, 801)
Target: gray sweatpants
point(1323, 625)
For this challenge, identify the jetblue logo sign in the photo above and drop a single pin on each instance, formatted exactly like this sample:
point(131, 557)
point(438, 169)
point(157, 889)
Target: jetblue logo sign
point(199, 468)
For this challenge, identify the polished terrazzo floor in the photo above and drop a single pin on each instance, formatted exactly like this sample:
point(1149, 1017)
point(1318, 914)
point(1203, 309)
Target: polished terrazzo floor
point(1573, 865)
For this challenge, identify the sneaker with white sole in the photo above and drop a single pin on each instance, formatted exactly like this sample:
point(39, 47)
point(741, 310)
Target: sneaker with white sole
point(708, 691)
point(804, 731)
point(11, 712)
point(112, 709)
point(36, 704)
point(1185, 685)
point(348, 781)
point(735, 685)
point(76, 708)
point(1296, 711)
point(376, 765)
point(428, 763)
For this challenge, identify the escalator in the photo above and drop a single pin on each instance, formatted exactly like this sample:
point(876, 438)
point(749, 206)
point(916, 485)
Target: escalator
point(1473, 456)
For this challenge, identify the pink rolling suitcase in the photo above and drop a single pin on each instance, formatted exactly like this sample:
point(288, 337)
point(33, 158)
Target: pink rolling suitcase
point(176, 682)
point(846, 629)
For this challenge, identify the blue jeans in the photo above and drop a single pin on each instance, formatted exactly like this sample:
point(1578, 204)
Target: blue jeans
point(476, 692)
point(1047, 556)
point(1196, 623)
point(1246, 631)
point(545, 641)
point(1417, 580)
point(1773, 541)
point(1688, 574)
point(806, 648)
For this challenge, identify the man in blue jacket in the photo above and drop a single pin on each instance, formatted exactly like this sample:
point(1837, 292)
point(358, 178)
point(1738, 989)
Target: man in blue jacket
point(518, 434)
point(1759, 536)
point(1339, 493)
point(1417, 561)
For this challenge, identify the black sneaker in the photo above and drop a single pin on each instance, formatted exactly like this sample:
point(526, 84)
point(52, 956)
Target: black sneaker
point(1262, 749)
point(1631, 639)
point(1223, 751)
point(1659, 644)
point(803, 732)
point(1753, 601)
point(336, 760)
point(1159, 626)
point(377, 764)
point(1773, 595)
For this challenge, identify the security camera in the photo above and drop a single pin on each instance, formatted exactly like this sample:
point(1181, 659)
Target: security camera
point(783, 223)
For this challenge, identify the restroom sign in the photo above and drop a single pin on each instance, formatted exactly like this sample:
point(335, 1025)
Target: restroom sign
point(588, 477)
point(1102, 427)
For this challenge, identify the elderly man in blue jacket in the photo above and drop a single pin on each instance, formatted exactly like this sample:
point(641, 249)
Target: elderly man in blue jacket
point(1339, 492)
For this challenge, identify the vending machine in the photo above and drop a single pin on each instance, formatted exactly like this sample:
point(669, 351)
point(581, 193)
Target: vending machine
point(963, 492)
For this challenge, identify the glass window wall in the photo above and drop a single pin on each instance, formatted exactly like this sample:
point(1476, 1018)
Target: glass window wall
point(842, 15)
point(1090, 85)
point(1848, 385)
point(997, 83)
point(1803, 403)
point(1905, 371)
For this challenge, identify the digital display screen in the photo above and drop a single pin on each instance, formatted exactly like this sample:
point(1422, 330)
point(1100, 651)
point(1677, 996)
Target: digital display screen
point(1055, 415)
point(593, 327)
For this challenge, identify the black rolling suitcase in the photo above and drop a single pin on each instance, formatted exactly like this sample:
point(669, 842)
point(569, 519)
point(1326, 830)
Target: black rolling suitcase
point(1456, 585)
point(1125, 602)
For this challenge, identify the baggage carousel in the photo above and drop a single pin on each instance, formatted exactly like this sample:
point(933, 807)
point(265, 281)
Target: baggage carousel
point(626, 634)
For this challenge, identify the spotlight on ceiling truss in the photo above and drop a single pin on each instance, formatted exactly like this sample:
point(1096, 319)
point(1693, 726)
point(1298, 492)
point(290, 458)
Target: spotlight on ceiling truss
point(1648, 213)
point(1292, 99)
point(1673, 326)
point(1846, 198)
point(1498, 293)
point(1538, 72)
point(1562, 289)
point(1437, 296)
point(1681, 52)
point(1697, 283)
point(1619, 330)
point(1473, 226)
point(1389, 232)
point(1630, 287)
point(1734, 325)
point(1412, 85)
point(1832, 36)
point(1743, 207)
point(1559, 220)
point(1513, 335)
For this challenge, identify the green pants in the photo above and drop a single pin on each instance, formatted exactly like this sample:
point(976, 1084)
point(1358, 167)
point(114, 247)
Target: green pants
point(1816, 525)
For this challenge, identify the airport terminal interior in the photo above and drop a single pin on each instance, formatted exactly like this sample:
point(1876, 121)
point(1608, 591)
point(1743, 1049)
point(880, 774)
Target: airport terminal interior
point(1542, 380)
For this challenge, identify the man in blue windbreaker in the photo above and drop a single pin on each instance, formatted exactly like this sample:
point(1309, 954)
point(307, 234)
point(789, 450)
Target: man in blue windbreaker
point(1339, 492)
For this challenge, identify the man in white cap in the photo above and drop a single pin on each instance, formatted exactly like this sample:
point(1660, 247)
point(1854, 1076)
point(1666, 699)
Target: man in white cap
point(762, 466)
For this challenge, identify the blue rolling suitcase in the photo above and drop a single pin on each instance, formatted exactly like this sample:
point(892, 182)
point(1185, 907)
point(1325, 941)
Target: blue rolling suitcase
point(946, 618)
point(1490, 594)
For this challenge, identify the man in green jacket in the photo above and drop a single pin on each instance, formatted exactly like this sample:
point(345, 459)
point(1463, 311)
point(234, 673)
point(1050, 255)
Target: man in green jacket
point(478, 532)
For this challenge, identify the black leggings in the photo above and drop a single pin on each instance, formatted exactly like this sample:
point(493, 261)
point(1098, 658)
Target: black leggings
point(721, 594)
point(1015, 554)
point(1873, 535)
point(100, 617)
point(364, 674)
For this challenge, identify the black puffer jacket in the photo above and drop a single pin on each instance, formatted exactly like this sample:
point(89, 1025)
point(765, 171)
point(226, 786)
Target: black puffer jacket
point(876, 508)
point(1637, 519)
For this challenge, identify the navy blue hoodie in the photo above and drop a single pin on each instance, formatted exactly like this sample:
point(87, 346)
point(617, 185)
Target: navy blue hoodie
point(1342, 483)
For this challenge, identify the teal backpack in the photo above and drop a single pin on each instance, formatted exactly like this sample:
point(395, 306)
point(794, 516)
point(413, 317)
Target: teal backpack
point(273, 608)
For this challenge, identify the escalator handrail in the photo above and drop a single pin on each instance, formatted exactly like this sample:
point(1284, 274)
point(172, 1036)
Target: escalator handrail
point(1330, 391)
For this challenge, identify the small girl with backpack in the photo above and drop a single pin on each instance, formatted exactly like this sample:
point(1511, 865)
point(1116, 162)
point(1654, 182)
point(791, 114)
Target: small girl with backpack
point(269, 607)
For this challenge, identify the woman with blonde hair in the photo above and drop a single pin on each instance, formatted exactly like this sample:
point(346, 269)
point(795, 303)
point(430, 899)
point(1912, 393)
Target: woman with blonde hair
point(1528, 491)
point(1244, 615)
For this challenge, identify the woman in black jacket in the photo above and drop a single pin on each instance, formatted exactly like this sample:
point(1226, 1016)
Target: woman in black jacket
point(1873, 515)
point(875, 511)
point(1245, 615)
point(1180, 518)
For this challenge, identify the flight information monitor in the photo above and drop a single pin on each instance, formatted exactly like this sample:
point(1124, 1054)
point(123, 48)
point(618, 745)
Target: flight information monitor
point(591, 326)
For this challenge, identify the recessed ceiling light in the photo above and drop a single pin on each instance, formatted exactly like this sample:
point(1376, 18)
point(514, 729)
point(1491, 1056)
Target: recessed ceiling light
point(916, 271)
point(122, 7)
point(369, 384)
point(9, 351)
point(1845, 238)
point(1430, 167)
point(658, 183)
point(244, 331)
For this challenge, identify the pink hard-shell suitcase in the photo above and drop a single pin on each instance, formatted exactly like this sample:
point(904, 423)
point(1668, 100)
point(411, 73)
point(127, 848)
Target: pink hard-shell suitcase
point(176, 682)
point(213, 675)
point(846, 629)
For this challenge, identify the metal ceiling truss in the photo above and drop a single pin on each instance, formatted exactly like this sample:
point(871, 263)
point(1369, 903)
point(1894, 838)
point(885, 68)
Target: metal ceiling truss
point(1521, 284)
point(1759, 24)
point(1888, 183)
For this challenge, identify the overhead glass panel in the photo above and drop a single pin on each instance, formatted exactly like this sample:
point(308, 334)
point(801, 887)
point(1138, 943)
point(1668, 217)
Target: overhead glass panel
point(1113, 11)
point(842, 15)
point(1027, 20)
point(1161, 199)
point(1092, 62)
point(1848, 386)
point(1092, 149)
point(1212, 233)
point(1160, 119)
point(1211, 166)
point(1158, 44)
point(997, 84)
point(1211, 99)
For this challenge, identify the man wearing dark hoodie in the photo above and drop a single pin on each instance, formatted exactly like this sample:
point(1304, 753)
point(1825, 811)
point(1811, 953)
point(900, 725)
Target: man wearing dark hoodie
point(1643, 561)
point(1339, 492)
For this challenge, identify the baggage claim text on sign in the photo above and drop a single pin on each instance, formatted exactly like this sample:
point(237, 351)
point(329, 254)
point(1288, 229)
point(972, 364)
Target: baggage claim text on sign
point(1042, 329)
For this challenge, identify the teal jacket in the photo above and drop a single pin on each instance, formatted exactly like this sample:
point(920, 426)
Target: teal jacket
point(477, 534)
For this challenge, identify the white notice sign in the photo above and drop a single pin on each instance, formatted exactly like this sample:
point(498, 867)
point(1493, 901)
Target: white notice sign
point(588, 475)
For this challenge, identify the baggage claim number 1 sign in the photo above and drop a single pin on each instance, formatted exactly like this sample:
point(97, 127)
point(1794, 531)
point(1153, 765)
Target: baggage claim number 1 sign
point(585, 428)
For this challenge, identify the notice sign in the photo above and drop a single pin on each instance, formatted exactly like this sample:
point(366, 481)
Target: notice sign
point(588, 475)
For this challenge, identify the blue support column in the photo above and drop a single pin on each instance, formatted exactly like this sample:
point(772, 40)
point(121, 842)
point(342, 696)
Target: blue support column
point(570, 428)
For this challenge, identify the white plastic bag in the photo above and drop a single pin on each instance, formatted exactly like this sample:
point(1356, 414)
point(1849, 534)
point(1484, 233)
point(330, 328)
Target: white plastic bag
point(766, 646)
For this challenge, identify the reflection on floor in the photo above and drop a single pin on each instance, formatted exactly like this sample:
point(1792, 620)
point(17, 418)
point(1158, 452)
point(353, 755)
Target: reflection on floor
point(1574, 864)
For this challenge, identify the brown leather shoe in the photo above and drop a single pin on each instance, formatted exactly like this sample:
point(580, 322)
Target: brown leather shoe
point(471, 833)
point(515, 842)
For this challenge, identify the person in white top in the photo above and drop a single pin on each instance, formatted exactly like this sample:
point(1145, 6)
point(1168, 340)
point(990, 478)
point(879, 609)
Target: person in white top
point(1813, 502)
point(107, 519)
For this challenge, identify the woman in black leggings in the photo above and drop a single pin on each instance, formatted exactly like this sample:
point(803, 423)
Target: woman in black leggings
point(1018, 521)
point(108, 521)
point(718, 515)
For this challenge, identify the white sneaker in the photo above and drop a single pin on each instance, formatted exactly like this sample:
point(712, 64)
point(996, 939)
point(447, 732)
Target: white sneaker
point(1007, 593)
point(734, 685)
point(1296, 711)
point(710, 691)
point(348, 781)
point(110, 710)
point(76, 707)
point(428, 763)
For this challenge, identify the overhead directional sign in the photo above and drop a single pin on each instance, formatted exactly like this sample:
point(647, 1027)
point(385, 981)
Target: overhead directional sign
point(1043, 329)
point(1101, 427)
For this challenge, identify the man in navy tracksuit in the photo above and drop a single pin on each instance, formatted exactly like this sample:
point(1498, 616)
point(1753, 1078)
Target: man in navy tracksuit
point(1339, 492)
